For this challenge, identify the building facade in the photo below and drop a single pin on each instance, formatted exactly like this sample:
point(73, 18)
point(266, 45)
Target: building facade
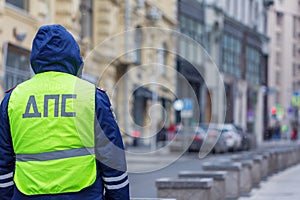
point(190, 62)
point(238, 44)
point(284, 68)
point(132, 62)
point(20, 20)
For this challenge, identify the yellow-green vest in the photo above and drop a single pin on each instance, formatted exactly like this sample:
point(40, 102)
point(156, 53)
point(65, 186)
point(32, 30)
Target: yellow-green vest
point(52, 127)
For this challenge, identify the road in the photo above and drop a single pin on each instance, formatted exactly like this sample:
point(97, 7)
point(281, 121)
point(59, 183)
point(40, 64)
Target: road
point(142, 185)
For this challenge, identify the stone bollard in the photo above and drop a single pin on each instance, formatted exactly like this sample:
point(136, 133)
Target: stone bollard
point(274, 161)
point(295, 156)
point(271, 169)
point(279, 164)
point(232, 181)
point(218, 190)
point(268, 157)
point(289, 157)
point(257, 168)
point(298, 154)
point(247, 173)
point(265, 165)
point(184, 189)
point(284, 158)
point(262, 165)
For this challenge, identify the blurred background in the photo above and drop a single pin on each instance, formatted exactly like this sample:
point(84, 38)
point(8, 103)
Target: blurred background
point(254, 43)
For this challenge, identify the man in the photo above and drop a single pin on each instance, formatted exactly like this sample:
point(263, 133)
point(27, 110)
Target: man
point(58, 136)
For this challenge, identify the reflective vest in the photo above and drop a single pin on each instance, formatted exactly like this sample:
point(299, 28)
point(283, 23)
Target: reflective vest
point(52, 127)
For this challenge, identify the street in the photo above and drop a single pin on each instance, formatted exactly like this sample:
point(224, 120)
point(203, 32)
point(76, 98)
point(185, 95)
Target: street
point(144, 169)
point(142, 185)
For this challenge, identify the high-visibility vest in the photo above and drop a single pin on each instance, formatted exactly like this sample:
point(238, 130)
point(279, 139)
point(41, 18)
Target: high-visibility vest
point(52, 127)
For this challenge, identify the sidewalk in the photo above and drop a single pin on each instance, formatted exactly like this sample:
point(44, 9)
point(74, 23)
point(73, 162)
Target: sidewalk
point(281, 186)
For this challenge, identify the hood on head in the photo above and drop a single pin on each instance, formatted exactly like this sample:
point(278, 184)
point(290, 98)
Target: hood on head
point(55, 49)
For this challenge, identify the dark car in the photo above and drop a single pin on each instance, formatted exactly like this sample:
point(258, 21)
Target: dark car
point(246, 138)
point(198, 138)
point(211, 139)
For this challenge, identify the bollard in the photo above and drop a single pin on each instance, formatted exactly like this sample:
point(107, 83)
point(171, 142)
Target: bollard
point(271, 162)
point(218, 190)
point(184, 189)
point(264, 165)
point(232, 181)
point(274, 162)
point(279, 164)
point(247, 173)
point(256, 170)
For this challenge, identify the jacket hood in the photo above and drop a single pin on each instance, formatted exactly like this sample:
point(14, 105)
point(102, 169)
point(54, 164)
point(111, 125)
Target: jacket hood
point(55, 49)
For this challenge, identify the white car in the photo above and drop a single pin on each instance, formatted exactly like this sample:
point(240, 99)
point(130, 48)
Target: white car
point(233, 138)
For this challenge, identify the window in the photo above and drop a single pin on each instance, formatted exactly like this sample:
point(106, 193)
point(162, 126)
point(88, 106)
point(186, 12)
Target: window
point(294, 50)
point(253, 65)
point(228, 5)
point(294, 69)
point(193, 29)
point(162, 58)
point(256, 15)
point(294, 86)
point(278, 39)
point(278, 95)
point(279, 18)
point(243, 11)
point(17, 65)
point(22, 4)
point(231, 49)
point(250, 12)
point(86, 21)
point(235, 11)
point(278, 59)
point(277, 78)
point(138, 38)
point(295, 26)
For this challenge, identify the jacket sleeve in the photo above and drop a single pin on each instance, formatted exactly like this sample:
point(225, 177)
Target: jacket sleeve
point(110, 150)
point(7, 156)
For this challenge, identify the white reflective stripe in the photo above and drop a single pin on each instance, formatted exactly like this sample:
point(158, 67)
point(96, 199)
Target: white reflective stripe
point(117, 178)
point(5, 176)
point(115, 187)
point(4, 185)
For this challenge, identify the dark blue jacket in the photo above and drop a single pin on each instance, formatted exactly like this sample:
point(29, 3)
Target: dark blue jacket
point(54, 49)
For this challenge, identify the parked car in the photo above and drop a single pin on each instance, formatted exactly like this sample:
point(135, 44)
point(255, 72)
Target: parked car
point(246, 138)
point(198, 138)
point(232, 137)
point(215, 139)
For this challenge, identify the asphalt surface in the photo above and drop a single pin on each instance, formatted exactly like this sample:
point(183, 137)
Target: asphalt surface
point(144, 169)
point(142, 175)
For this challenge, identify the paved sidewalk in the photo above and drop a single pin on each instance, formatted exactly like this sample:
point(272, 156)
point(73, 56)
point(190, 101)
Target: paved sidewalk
point(281, 186)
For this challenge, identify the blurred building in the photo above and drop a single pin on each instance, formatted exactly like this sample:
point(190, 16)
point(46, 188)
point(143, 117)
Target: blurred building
point(190, 61)
point(124, 63)
point(284, 64)
point(238, 44)
point(133, 60)
point(20, 20)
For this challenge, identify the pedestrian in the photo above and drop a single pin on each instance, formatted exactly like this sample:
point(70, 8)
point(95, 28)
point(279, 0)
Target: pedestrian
point(294, 135)
point(58, 136)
